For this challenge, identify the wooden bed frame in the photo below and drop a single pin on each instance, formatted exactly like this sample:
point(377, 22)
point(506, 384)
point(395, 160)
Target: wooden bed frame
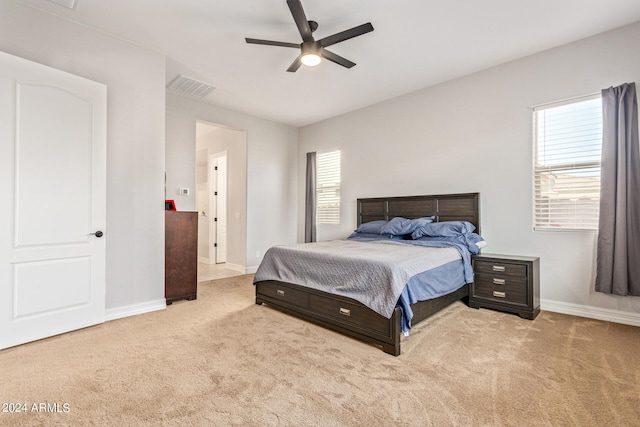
point(352, 318)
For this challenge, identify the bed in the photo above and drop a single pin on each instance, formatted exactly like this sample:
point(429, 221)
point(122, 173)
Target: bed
point(350, 316)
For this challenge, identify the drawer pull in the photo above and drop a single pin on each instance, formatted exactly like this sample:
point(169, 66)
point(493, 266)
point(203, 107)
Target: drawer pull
point(497, 281)
point(345, 312)
point(280, 292)
point(501, 268)
point(499, 294)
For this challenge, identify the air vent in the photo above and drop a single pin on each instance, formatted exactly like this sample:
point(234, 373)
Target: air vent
point(189, 86)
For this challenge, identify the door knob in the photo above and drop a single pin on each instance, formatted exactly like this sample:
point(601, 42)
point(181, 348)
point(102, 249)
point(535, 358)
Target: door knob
point(97, 234)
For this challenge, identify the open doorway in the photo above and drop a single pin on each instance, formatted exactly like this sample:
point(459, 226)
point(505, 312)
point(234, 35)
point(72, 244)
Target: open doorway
point(220, 200)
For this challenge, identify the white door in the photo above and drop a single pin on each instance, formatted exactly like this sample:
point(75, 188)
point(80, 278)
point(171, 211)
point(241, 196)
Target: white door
point(52, 209)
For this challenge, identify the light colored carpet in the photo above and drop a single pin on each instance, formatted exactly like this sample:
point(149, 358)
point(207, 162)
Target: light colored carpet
point(222, 360)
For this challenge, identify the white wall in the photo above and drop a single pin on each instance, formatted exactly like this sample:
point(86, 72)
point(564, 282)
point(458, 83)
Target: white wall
point(474, 134)
point(271, 171)
point(135, 81)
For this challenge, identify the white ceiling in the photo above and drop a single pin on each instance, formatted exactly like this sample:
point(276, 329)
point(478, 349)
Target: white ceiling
point(415, 44)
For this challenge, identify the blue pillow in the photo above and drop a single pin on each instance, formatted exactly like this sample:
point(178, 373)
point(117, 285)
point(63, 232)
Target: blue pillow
point(399, 226)
point(372, 227)
point(445, 228)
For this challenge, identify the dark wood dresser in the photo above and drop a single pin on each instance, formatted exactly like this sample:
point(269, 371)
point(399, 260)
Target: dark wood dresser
point(180, 255)
point(507, 283)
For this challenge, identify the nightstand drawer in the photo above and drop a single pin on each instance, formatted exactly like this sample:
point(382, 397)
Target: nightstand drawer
point(500, 280)
point(500, 268)
point(508, 289)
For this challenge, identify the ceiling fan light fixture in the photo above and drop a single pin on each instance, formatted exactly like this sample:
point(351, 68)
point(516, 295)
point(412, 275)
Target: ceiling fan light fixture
point(310, 54)
point(310, 59)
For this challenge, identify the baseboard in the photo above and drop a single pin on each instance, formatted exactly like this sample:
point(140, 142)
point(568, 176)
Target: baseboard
point(235, 267)
point(608, 315)
point(135, 309)
point(204, 260)
point(240, 268)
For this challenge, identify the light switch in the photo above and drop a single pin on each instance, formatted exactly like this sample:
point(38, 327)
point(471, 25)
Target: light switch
point(184, 191)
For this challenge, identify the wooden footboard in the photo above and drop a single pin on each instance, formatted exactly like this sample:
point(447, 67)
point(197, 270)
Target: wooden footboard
point(346, 315)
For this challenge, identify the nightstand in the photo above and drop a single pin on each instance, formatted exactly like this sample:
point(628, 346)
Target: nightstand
point(507, 283)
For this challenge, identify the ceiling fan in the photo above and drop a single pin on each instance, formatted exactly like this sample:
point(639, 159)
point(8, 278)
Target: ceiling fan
point(311, 50)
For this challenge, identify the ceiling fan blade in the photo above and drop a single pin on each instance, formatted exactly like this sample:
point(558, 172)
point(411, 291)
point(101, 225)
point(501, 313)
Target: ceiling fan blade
point(301, 20)
point(295, 64)
point(272, 43)
point(336, 58)
point(346, 34)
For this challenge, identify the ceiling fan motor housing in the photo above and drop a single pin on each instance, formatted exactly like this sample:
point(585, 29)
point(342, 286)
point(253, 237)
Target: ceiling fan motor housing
point(311, 48)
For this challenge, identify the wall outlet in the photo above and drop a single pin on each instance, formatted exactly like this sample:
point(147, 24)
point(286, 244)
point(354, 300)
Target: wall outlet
point(257, 254)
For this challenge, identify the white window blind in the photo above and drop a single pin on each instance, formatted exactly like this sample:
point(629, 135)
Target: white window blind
point(567, 153)
point(328, 188)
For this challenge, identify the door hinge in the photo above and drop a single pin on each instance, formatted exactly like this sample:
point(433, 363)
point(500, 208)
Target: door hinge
point(215, 168)
point(215, 219)
point(215, 193)
point(215, 245)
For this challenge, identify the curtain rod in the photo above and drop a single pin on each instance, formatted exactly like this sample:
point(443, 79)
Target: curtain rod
point(564, 101)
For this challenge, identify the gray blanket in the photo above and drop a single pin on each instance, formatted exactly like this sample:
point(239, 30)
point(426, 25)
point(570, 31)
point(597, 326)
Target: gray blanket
point(373, 273)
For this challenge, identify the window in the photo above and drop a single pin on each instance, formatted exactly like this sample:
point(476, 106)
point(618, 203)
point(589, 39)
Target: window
point(567, 153)
point(328, 188)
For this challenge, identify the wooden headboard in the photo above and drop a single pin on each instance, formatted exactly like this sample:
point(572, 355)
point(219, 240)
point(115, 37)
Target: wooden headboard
point(445, 207)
